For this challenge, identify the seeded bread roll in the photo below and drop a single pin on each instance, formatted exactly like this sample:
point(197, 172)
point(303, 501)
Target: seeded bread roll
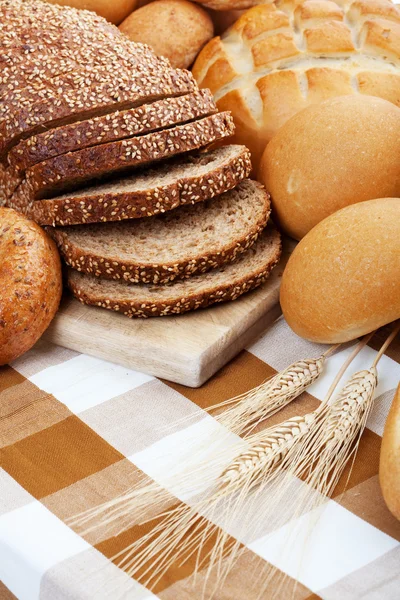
point(115, 11)
point(220, 285)
point(72, 170)
point(342, 280)
point(330, 155)
point(30, 291)
point(210, 234)
point(389, 466)
point(184, 181)
point(177, 29)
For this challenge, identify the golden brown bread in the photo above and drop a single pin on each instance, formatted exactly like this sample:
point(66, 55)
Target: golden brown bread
point(176, 29)
point(280, 58)
point(31, 285)
point(389, 466)
point(343, 279)
point(342, 151)
point(114, 11)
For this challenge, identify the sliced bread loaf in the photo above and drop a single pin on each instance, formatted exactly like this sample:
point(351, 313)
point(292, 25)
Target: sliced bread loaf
point(226, 283)
point(186, 180)
point(111, 127)
point(71, 170)
point(185, 241)
point(84, 94)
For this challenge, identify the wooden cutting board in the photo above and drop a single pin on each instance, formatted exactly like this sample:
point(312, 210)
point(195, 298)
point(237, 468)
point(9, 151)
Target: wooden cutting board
point(187, 349)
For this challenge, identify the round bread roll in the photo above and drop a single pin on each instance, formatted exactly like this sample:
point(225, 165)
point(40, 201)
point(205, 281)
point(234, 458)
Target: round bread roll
point(114, 11)
point(31, 284)
point(343, 279)
point(176, 29)
point(389, 466)
point(342, 151)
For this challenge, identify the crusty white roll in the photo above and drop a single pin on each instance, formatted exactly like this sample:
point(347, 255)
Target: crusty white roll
point(343, 279)
point(342, 151)
point(389, 466)
point(177, 29)
point(31, 283)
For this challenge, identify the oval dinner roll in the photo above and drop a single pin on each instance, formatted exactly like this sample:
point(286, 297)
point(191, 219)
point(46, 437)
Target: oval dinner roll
point(330, 155)
point(389, 467)
point(31, 284)
point(114, 11)
point(343, 279)
point(176, 29)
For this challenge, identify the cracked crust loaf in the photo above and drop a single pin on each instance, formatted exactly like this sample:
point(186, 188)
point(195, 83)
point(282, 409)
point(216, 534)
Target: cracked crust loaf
point(185, 241)
point(219, 285)
point(185, 180)
point(280, 58)
point(74, 169)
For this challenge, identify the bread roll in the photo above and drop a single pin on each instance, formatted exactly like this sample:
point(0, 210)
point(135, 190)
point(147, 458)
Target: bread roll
point(343, 279)
point(114, 11)
point(389, 466)
point(330, 155)
point(223, 19)
point(31, 285)
point(176, 29)
point(281, 57)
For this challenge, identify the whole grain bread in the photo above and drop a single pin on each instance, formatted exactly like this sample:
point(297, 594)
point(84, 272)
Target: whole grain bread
point(219, 285)
point(74, 169)
point(185, 180)
point(84, 94)
point(185, 241)
point(110, 127)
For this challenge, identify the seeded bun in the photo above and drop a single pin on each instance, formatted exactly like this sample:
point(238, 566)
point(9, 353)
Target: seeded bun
point(330, 155)
point(176, 29)
point(342, 280)
point(30, 291)
point(114, 11)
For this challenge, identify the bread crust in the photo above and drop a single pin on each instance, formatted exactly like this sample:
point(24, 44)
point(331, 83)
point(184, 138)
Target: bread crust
point(134, 272)
point(117, 206)
point(31, 285)
point(76, 168)
point(110, 127)
point(208, 296)
point(389, 465)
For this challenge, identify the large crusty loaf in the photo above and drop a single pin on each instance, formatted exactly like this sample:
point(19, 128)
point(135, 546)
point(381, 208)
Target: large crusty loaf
point(183, 181)
point(339, 152)
point(110, 127)
point(389, 463)
point(179, 244)
point(72, 170)
point(31, 284)
point(281, 57)
point(342, 280)
point(220, 285)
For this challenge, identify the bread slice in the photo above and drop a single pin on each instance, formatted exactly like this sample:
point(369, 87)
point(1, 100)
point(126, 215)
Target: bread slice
point(74, 169)
point(220, 285)
point(111, 127)
point(184, 181)
point(86, 93)
point(185, 241)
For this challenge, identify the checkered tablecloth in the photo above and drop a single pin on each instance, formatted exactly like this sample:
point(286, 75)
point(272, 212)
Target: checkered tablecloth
point(76, 431)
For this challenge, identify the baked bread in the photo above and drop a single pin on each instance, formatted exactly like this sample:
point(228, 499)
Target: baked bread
point(279, 58)
point(184, 181)
point(30, 291)
point(110, 127)
point(389, 464)
point(115, 11)
point(342, 280)
point(177, 29)
point(74, 169)
point(219, 285)
point(342, 151)
point(179, 244)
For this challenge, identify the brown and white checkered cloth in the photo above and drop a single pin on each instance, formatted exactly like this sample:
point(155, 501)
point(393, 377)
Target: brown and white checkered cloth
point(76, 431)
